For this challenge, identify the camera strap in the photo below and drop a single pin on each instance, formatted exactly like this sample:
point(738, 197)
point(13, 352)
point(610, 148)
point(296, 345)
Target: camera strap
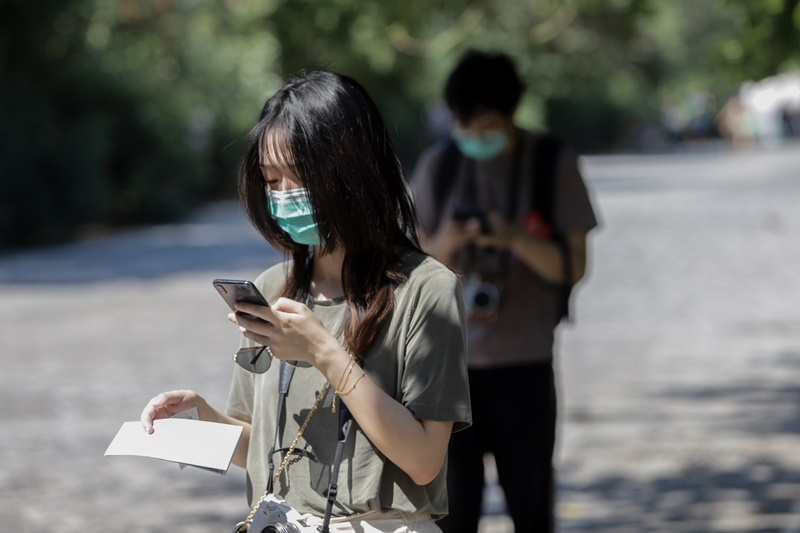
point(345, 424)
point(286, 373)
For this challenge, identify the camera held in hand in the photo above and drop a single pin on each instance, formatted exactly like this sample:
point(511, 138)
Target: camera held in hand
point(467, 212)
point(482, 297)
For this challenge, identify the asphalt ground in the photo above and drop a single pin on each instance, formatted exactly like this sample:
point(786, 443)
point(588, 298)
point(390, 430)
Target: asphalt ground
point(678, 380)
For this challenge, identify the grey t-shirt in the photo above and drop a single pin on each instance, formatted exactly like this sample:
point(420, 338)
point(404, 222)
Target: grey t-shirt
point(419, 359)
point(529, 312)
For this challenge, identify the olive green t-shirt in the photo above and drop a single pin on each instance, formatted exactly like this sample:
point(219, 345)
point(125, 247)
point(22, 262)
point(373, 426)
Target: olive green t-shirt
point(419, 359)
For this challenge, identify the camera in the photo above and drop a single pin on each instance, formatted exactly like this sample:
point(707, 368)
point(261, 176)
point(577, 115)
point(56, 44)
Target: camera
point(282, 527)
point(481, 297)
point(276, 516)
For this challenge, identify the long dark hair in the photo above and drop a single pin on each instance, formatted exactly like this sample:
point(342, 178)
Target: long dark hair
point(329, 131)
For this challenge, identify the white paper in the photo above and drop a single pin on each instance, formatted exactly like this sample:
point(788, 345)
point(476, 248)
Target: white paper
point(197, 443)
point(191, 414)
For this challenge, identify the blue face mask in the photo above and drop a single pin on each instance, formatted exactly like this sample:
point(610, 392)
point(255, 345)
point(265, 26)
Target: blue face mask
point(482, 147)
point(292, 211)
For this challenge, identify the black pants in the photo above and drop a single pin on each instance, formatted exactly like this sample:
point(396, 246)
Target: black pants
point(514, 418)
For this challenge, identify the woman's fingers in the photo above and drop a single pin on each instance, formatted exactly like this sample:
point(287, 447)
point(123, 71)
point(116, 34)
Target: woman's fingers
point(255, 329)
point(165, 405)
point(260, 312)
point(150, 412)
point(289, 306)
point(293, 331)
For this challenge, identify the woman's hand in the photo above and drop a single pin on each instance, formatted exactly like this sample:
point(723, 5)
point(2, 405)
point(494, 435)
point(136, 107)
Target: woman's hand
point(289, 328)
point(167, 404)
point(451, 237)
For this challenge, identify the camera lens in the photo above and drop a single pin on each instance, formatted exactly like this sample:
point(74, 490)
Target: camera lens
point(281, 527)
point(482, 300)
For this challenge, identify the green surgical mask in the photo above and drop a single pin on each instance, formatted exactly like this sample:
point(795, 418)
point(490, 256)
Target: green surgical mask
point(482, 146)
point(292, 211)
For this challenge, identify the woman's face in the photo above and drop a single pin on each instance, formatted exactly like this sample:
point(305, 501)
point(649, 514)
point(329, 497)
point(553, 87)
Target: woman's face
point(289, 204)
point(276, 166)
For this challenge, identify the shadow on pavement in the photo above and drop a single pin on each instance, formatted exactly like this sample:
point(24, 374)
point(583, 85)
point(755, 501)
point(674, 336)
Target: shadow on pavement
point(758, 495)
point(760, 406)
point(743, 477)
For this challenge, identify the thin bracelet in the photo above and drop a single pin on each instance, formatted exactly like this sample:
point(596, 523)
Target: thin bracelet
point(347, 371)
point(348, 368)
point(345, 393)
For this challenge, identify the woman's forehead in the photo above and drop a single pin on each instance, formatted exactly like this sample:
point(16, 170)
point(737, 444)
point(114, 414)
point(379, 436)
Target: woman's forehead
point(274, 150)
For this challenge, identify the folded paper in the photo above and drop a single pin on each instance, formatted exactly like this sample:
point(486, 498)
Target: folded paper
point(197, 443)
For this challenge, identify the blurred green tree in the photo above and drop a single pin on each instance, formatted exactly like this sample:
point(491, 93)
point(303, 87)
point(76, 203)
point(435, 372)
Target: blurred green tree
point(133, 111)
point(763, 38)
point(569, 51)
point(717, 45)
point(121, 112)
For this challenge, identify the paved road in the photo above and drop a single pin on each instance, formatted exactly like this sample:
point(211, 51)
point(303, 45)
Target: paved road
point(680, 404)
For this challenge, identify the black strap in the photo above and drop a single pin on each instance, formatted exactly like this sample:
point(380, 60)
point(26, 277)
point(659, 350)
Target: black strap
point(345, 422)
point(445, 175)
point(546, 154)
point(286, 373)
point(543, 201)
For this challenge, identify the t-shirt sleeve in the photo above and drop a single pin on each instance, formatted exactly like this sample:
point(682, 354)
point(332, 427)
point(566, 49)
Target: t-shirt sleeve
point(434, 381)
point(573, 209)
point(240, 396)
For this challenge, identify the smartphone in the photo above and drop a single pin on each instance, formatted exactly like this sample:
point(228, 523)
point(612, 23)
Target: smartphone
point(239, 290)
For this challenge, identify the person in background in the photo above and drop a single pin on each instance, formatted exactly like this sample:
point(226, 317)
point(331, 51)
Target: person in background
point(508, 210)
point(371, 323)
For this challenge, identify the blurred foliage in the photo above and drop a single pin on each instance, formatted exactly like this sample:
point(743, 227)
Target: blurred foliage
point(121, 112)
point(132, 111)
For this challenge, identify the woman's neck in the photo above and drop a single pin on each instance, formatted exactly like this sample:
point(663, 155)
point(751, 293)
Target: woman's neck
point(326, 280)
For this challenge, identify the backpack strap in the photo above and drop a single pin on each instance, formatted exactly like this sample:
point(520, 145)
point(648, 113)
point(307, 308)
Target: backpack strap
point(543, 200)
point(445, 175)
point(546, 154)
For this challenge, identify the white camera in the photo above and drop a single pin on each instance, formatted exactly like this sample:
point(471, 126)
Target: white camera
point(481, 297)
point(276, 516)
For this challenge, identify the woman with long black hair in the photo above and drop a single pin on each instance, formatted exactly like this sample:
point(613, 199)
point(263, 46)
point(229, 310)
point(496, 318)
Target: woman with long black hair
point(372, 324)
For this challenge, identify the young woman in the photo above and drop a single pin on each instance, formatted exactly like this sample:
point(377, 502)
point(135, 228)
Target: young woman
point(368, 320)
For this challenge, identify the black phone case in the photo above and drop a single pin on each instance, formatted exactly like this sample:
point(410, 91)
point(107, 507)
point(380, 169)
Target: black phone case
point(237, 290)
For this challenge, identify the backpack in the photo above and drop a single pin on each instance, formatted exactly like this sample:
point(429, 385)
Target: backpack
point(542, 200)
